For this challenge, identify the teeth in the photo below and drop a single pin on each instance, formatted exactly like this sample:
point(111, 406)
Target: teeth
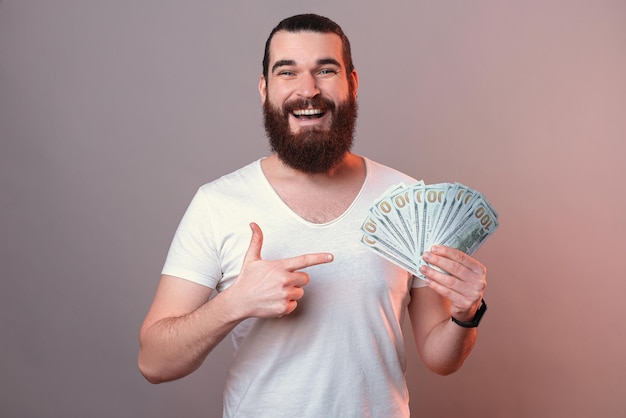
point(307, 112)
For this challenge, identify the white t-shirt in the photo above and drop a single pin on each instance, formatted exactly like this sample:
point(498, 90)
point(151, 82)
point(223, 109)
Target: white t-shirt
point(341, 352)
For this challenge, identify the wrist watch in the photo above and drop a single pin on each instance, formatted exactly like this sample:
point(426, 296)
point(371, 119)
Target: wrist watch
point(477, 317)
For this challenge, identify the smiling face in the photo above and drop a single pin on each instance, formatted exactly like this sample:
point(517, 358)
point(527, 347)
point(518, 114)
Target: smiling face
point(309, 100)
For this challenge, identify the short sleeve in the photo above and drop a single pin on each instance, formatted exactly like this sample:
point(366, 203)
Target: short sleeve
point(192, 254)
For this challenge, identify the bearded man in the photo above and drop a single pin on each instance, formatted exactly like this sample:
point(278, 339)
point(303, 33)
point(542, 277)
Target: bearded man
point(315, 317)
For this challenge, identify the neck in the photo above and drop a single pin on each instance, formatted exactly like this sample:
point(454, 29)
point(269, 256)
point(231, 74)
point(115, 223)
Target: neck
point(319, 197)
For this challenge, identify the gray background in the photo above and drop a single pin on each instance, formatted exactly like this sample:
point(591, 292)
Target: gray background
point(112, 113)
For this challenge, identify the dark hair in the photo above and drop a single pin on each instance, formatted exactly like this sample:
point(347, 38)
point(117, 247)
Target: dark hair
point(313, 23)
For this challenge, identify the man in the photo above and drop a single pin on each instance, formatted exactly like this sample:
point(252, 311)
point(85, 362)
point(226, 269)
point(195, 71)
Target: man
point(315, 316)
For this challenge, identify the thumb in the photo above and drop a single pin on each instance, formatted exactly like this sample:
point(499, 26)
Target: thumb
point(256, 242)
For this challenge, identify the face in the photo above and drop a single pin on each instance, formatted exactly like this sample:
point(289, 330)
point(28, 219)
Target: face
point(309, 101)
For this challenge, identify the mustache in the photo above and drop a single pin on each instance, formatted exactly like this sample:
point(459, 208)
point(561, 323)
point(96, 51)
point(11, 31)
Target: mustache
point(317, 102)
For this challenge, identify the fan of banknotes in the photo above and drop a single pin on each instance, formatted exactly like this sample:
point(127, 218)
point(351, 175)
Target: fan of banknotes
point(407, 220)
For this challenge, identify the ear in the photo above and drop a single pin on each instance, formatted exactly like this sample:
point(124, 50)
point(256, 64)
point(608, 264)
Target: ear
point(353, 79)
point(263, 88)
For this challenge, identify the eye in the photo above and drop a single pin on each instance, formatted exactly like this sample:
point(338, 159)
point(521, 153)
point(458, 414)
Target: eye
point(327, 71)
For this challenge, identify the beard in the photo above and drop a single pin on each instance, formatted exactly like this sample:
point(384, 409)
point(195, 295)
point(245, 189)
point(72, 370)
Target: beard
point(311, 150)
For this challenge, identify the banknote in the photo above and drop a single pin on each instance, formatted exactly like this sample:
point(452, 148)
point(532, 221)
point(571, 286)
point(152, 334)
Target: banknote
point(407, 220)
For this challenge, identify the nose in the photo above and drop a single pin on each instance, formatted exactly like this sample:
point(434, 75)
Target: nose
point(307, 86)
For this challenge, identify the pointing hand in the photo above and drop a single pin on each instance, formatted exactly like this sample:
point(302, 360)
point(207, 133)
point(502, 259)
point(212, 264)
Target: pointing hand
point(271, 288)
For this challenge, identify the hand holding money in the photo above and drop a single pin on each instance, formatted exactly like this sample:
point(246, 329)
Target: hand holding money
point(406, 221)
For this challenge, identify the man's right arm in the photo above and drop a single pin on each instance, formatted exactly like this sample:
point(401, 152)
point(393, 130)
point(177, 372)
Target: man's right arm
point(184, 323)
point(181, 329)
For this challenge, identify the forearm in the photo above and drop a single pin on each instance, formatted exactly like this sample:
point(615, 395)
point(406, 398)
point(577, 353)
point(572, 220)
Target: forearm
point(447, 346)
point(442, 344)
point(172, 348)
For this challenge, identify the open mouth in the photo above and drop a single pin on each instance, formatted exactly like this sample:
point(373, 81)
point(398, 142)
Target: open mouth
point(308, 114)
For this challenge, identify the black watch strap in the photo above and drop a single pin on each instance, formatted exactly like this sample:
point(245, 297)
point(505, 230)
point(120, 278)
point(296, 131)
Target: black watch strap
point(477, 317)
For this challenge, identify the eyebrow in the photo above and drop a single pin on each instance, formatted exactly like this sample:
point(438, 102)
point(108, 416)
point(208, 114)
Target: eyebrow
point(283, 63)
point(287, 63)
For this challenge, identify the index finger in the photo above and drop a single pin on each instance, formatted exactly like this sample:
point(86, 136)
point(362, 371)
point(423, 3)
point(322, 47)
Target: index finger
point(459, 256)
point(307, 260)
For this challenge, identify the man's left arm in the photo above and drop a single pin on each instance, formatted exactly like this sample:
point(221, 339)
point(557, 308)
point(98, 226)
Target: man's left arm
point(442, 343)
